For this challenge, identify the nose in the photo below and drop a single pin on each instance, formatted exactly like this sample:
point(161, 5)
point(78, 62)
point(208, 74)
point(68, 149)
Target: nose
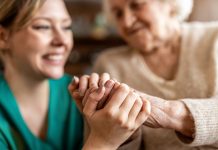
point(60, 37)
point(128, 18)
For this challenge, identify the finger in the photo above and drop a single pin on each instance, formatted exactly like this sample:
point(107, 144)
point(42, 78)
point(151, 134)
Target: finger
point(144, 113)
point(87, 93)
point(92, 101)
point(93, 80)
point(77, 99)
point(137, 107)
point(115, 87)
point(118, 96)
point(74, 84)
point(128, 103)
point(108, 88)
point(83, 84)
point(103, 79)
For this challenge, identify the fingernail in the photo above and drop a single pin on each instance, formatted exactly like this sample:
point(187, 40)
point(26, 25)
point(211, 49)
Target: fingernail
point(108, 84)
point(75, 78)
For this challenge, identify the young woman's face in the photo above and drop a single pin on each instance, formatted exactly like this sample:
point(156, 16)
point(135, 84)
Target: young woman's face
point(42, 47)
point(142, 23)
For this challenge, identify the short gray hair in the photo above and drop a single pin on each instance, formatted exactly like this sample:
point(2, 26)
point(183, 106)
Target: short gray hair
point(183, 9)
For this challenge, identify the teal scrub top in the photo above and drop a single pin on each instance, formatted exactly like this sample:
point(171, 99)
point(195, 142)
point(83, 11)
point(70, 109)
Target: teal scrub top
point(65, 123)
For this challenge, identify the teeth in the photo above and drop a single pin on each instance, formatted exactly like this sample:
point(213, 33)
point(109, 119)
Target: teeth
point(55, 57)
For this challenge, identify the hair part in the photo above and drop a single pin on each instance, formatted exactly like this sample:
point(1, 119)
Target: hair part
point(17, 13)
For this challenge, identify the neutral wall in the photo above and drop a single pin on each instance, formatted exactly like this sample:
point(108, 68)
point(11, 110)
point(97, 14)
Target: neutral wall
point(205, 10)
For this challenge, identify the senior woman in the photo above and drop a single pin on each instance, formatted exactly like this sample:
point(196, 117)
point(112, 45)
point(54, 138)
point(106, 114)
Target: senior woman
point(174, 63)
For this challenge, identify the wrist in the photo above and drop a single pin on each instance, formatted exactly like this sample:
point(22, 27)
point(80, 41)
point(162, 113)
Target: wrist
point(180, 118)
point(94, 143)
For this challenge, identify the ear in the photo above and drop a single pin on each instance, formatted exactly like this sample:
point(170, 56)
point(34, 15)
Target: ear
point(4, 34)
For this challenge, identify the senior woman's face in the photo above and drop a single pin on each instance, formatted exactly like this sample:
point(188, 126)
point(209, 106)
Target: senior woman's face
point(42, 47)
point(142, 23)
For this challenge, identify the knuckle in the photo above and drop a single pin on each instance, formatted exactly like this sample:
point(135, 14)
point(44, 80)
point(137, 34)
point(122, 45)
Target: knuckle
point(84, 77)
point(94, 74)
point(124, 87)
point(121, 121)
point(133, 95)
point(138, 102)
point(110, 113)
point(105, 74)
point(128, 126)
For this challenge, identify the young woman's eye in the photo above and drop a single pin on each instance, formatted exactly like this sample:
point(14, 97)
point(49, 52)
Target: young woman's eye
point(41, 27)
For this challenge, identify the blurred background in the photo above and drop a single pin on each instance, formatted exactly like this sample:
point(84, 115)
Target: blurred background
point(92, 34)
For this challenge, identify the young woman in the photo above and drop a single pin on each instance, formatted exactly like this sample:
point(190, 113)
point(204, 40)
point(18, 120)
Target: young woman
point(36, 109)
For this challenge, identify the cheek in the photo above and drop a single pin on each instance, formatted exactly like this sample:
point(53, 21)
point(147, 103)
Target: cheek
point(70, 42)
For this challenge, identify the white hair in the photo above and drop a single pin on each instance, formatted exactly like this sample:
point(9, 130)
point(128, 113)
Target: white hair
point(183, 9)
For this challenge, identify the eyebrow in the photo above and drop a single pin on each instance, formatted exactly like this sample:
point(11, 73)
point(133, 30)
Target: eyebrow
point(49, 19)
point(128, 1)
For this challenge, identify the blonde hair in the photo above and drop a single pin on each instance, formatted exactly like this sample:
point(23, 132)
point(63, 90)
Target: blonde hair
point(17, 13)
point(183, 9)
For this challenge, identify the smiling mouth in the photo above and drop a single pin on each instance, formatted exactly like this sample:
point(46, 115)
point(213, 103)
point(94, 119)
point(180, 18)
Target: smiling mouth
point(54, 59)
point(133, 31)
point(137, 27)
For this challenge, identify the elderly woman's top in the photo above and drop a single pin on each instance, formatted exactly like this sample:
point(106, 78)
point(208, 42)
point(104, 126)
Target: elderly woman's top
point(195, 83)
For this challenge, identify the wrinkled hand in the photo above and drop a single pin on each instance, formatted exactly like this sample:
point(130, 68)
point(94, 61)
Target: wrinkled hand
point(79, 86)
point(158, 117)
point(170, 115)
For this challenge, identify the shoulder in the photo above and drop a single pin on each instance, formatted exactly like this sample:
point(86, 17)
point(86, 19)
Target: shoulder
point(200, 37)
point(196, 31)
point(203, 26)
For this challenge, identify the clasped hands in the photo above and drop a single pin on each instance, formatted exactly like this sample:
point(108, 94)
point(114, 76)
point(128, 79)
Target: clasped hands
point(112, 110)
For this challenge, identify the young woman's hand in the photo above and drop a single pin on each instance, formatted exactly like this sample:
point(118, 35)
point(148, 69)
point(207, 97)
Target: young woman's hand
point(113, 124)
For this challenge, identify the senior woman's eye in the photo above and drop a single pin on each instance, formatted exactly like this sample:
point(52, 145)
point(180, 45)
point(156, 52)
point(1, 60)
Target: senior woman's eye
point(134, 5)
point(118, 14)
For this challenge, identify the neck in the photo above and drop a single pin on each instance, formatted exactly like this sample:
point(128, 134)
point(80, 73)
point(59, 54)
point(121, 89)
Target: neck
point(26, 89)
point(163, 60)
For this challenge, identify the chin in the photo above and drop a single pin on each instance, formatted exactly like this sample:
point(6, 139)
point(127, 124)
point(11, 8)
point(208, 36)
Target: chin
point(54, 74)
